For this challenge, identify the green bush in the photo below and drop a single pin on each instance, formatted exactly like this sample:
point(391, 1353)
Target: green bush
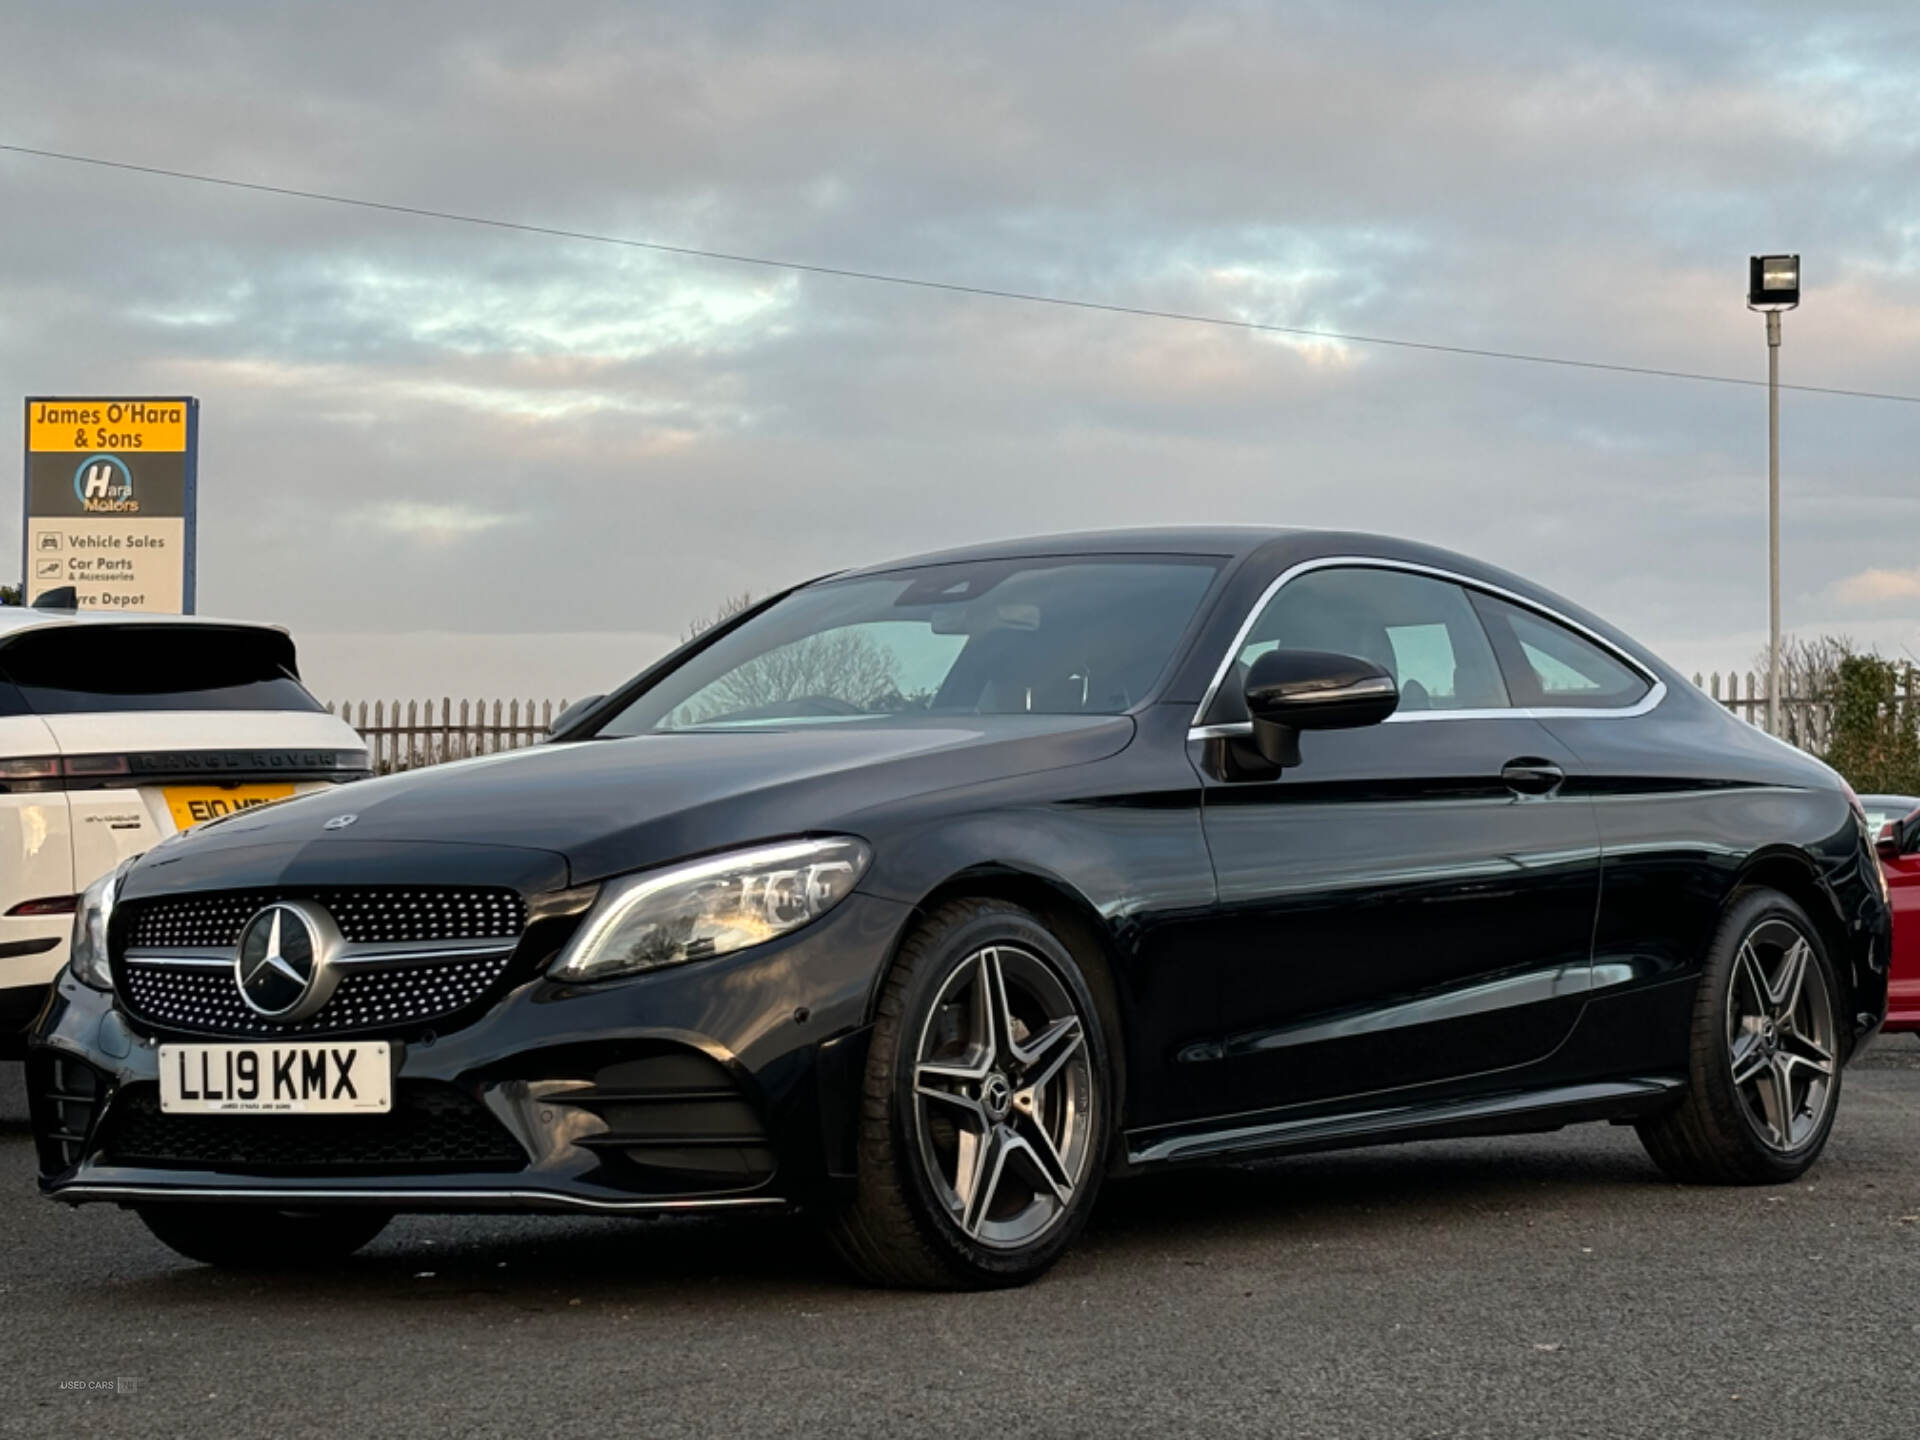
point(1873, 741)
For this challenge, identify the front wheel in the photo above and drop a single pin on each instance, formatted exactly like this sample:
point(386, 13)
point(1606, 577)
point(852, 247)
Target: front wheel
point(1764, 1068)
point(250, 1237)
point(985, 1110)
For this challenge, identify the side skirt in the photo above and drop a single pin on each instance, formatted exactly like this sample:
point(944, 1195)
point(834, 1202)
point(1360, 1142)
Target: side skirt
point(1509, 1114)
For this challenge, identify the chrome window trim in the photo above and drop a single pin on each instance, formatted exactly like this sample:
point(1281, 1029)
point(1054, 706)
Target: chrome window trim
point(1196, 730)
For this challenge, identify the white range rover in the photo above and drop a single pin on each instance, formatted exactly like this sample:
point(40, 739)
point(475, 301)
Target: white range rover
point(118, 731)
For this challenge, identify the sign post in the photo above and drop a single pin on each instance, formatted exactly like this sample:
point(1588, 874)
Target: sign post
point(110, 501)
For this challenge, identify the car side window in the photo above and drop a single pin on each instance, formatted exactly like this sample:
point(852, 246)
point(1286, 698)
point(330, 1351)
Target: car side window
point(1548, 665)
point(1422, 631)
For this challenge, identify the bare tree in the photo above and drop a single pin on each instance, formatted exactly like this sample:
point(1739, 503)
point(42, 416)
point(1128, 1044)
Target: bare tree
point(1810, 671)
point(1808, 668)
point(729, 607)
point(843, 666)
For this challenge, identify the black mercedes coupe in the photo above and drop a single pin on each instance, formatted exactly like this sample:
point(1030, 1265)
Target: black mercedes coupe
point(929, 896)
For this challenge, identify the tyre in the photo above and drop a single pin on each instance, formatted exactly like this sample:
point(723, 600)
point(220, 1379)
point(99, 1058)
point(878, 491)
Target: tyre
point(1764, 1063)
point(985, 1110)
point(251, 1237)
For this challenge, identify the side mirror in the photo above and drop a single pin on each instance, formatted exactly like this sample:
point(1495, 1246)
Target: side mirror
point(573, 712)
point(1293, 690)
point(1900, 837)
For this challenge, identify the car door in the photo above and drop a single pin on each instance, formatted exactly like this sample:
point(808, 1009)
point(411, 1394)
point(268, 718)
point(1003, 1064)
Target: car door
point(1415, 901)
point(1680, 798)
point(1902, 870)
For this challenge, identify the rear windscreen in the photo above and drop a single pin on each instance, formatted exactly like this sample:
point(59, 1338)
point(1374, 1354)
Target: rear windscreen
point(76, 669)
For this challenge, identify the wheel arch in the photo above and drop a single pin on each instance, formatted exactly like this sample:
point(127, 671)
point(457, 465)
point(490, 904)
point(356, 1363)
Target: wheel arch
point(1074, 921)
point(1795, 874)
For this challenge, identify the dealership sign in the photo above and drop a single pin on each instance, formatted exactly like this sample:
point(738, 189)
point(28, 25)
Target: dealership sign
point(110, 501)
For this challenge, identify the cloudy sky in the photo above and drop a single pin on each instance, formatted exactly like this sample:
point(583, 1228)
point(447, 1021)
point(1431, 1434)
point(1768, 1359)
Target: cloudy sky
point(455, 458)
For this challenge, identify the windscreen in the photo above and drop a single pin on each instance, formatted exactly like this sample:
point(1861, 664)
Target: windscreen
point(1055, 636)
point(80, 669)
point(1884, 808)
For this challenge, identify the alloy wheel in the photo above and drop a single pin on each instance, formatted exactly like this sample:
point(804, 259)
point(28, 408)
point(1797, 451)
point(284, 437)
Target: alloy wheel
point(1780, 1034)
point(1003, 1094)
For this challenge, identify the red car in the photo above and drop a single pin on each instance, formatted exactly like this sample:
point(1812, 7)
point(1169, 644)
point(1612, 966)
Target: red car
point(1896, 819)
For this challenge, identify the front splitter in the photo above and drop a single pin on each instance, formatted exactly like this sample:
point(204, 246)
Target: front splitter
point(414, 1198)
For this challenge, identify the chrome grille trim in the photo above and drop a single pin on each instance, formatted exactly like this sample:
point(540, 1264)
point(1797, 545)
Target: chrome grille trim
point(380, 955)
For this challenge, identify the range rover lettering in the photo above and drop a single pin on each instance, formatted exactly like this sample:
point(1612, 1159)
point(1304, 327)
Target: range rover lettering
point(930, 896)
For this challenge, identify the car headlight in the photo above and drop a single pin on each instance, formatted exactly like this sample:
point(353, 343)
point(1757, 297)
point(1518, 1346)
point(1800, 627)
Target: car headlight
point(711, 907)
point(87, 958)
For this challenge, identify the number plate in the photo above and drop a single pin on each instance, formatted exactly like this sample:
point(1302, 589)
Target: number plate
point(196, 804)
point(354, 1079)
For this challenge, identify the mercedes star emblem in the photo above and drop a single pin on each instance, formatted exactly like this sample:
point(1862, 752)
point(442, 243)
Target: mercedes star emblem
point(282, 965)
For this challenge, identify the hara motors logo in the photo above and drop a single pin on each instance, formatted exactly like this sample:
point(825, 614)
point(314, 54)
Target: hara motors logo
point(104, 486)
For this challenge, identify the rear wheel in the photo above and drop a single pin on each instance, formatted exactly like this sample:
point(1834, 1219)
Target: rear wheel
point(248, 1237)
point(984, 1116)
point(1764, 1069)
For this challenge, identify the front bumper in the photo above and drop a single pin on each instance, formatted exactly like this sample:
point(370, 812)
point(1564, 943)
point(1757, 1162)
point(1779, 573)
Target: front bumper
point(18, 1006)
point(723, 1084)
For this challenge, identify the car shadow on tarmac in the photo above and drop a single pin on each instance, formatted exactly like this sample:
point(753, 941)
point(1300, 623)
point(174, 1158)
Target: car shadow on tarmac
point(1352, 1197)
point(542, 1263)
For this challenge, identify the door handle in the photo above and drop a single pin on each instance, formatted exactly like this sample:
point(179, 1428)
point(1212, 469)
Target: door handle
point(1530, 775)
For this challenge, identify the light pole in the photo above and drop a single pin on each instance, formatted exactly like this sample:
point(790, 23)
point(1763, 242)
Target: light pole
point(1773, 285)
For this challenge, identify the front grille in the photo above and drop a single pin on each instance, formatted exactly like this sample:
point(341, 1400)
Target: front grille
point(385, 987)
point(432, 1127)
point(365, 914)
point(206, 998)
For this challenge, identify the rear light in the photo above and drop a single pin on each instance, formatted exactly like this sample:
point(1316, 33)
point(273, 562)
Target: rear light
point(1854, 800)
point(48, 905)
point(37, 772)
point(80, 772)
point(51, 772)
point(1879, 870)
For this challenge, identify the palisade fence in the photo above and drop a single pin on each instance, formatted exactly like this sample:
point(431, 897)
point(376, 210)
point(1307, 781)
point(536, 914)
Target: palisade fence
point(1804, 719)
point(406, 735)
point(407, 739)
point(1806, 715)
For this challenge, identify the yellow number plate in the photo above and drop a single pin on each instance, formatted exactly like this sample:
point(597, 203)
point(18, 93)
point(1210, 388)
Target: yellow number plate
point(195, 804)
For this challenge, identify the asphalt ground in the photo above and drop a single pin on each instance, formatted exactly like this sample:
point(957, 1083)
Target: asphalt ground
point(1550, 1285)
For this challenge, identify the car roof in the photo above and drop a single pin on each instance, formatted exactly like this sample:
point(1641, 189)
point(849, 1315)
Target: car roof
point(17, 619)
point(1273, 547)
point(1226, 541)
